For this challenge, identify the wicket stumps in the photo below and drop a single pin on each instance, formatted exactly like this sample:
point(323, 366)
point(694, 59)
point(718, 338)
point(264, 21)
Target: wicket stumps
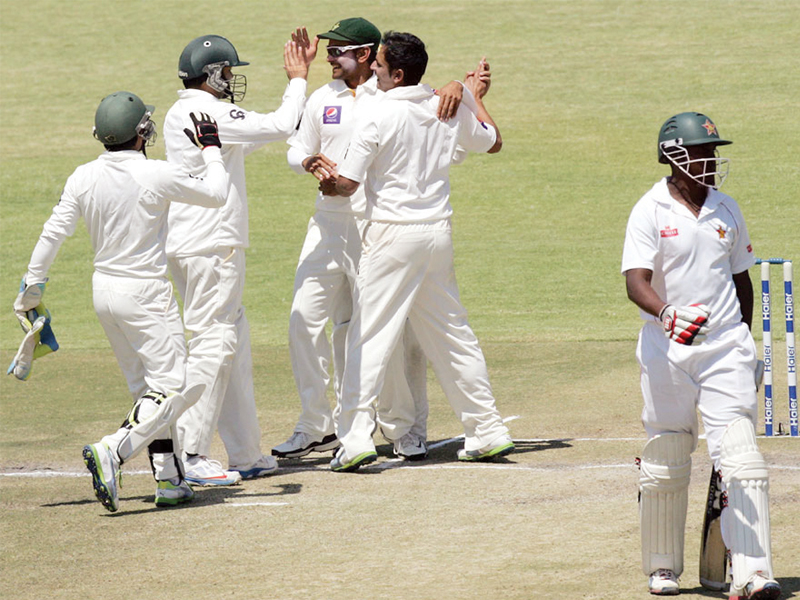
point(791, 358)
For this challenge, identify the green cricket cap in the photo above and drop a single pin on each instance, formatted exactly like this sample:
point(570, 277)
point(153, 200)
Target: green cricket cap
point(355, 30)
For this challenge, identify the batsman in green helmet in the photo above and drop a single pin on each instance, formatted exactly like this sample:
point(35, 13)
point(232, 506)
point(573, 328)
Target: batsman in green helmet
point(685, 261)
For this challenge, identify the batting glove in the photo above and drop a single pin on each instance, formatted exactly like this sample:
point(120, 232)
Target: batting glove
point(206, 129)
point(685, 324)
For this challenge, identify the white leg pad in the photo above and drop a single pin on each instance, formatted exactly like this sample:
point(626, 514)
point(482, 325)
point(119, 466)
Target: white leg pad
point(745, 521)
point(154, 425)
point(665, 470)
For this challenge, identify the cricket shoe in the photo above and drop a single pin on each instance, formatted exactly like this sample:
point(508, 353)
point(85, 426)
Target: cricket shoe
point(759, 587)
point(500, 447)
point(104, 467)
point(663, 582)
point(301, 443)
point(266, 465)
point(170, 494)
point(205, 471)
point(411, 447)
point(342, 464)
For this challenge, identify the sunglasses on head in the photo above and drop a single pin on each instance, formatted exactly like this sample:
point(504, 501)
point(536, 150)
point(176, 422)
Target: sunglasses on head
point(336, 51)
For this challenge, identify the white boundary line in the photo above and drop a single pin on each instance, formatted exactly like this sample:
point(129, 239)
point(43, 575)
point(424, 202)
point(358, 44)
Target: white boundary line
point(256, 504)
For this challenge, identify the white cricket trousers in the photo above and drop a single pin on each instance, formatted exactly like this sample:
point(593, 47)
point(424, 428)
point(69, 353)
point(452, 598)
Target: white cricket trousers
point(714, 377)
point(141, 320)
point(212, 286)
point(406, 272)
point(323, 291)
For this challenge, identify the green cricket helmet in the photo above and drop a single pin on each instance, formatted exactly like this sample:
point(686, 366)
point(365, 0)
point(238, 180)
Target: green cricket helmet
point(122, 116)
point(691, 129)
point(209, 55)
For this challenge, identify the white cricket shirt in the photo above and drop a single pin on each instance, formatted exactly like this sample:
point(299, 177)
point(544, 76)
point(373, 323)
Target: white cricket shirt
point(329, 120)
point(692, 258)
point(123, 197)
point(196, 230)
point(401, 153)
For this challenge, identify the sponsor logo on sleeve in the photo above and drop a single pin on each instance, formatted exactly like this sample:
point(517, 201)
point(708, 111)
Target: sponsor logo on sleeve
point(332, 115)
point(669, 232)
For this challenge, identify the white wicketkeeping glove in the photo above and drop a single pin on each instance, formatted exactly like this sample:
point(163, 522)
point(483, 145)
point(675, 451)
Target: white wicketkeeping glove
point(34, 318)
point(23, 361)
point(685, 324)
point(29, 297)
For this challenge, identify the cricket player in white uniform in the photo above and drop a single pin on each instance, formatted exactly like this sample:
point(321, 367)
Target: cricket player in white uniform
point(206, 249)
point(124, 199)
point(401, 153)
point(328, 262)
point(686, 259)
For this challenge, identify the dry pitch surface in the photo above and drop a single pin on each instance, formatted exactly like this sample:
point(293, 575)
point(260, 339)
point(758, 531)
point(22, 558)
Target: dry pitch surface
point(556, 519)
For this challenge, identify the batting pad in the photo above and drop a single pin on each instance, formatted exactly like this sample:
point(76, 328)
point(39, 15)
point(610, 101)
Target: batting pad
point(745, 522)
point(156, 424)
point(665, 470)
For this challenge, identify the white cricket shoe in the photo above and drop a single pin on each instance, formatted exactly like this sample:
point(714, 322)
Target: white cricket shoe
point(411, 447)
point(664, 582)
point(104, 467)
point(500, 447)
point(205, 471)
point(170, 494)
point(266, 465)
point(759, 587)
point(301, 443)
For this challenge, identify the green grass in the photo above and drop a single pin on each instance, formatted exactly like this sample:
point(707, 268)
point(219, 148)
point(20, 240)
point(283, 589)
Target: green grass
point(579, 91)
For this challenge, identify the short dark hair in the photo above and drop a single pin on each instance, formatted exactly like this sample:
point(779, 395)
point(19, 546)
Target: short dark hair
point(195, 82)
point(129, 145)
point(407, 52)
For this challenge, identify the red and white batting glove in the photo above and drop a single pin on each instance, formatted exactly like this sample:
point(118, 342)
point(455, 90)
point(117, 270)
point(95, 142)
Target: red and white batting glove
point(685, 324)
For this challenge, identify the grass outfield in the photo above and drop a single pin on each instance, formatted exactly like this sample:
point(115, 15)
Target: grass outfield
point(579, 91)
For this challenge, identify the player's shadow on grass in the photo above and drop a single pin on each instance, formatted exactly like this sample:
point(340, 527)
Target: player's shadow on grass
point(204, 496)
point(444, 453)
point(447, 452)
point(789, 585)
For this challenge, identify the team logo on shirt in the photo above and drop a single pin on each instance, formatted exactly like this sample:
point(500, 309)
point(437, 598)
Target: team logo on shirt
point(710, 127)
point(721, 232)
point(332, 115)
point(750, 248)
point(669, 232)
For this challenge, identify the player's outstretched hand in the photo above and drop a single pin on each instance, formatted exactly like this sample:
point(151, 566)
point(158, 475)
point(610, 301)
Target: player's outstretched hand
point(295, 60)
point(205, 132)
point(685, 324)
point(300, 37)
point(320, 166)
point(480, 80)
